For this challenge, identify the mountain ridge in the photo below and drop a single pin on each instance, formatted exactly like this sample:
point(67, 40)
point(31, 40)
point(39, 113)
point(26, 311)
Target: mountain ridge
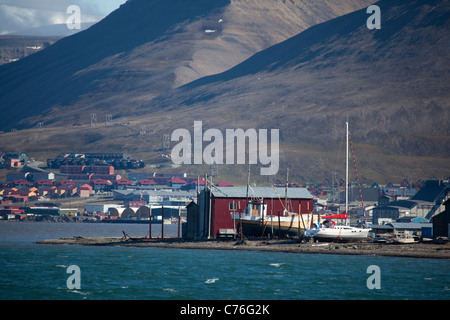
point(146, 48)
point(425, 93)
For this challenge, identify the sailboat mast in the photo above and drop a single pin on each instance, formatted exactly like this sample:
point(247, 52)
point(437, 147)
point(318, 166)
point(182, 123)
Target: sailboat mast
point(246, 196)
point(346, 173)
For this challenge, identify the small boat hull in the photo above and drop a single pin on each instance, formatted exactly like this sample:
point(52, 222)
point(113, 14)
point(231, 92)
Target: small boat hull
point(338, 233)
point(405, 240)
point(290, 226)
point(257, 229)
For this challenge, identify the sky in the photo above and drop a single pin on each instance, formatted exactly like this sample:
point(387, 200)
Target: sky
point(21, 16)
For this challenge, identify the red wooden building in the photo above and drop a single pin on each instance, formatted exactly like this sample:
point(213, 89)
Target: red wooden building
point(215, 207)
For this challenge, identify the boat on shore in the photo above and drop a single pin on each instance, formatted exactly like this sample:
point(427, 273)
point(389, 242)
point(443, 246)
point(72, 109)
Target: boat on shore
point(341, 233)
point(404, 239)
point(258, 223)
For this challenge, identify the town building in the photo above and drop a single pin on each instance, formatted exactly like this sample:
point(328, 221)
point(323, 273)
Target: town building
point(425, 203)
point(146, 183)
point(13, 159)
point(176, 183)
point(215, 206)
point(165, 197)
point(85, 190)
point(99, 170)
point(414, 229)
point(441, 222)
point(123, 184)
point(431, 197)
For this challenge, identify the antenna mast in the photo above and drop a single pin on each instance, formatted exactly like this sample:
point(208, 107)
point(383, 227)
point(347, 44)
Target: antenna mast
point(346, 174)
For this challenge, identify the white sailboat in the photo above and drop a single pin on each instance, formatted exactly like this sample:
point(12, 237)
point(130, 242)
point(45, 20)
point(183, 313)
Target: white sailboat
point(328, 230)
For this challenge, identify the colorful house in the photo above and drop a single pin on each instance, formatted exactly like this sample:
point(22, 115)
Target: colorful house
point(85, 190)
point(123, 183)
point(146, 182)
point(177, 183)
point(224, 184)
point(101, 184)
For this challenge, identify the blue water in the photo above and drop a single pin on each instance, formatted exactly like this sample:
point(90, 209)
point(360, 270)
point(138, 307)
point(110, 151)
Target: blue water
point(34, 271)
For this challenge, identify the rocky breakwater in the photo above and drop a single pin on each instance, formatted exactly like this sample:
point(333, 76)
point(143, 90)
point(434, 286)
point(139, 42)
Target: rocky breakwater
point(414, 250)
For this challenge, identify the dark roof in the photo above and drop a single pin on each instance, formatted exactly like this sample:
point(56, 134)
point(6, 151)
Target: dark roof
point(15, 155)
point(403, 203)
point(430, 191)
point(381, 227)
point(409, 225)
point(399, 225)
point(385, 208)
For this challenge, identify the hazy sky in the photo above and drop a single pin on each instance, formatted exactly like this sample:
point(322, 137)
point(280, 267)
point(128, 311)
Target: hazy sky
point(16, 15)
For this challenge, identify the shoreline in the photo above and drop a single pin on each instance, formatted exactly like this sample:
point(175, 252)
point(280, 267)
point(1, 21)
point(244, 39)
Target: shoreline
point(414, 250)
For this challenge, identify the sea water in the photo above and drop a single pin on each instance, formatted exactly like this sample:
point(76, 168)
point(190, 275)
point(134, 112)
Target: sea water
point(41, 271)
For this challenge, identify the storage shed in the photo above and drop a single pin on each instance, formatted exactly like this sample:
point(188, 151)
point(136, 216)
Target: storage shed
point(215, 206)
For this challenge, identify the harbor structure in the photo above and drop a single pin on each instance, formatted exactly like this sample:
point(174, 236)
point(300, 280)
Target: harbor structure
point(441, 222)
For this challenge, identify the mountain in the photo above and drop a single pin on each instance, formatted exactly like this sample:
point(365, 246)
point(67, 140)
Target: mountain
point(146, 48)
point(13, 47)
point(391, 84)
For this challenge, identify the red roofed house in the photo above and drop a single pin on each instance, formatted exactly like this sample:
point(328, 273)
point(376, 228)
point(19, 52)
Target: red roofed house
point(85, 190)
point(193, 185)
point(224, 184)
point(21, 183)
point(44, 183)
point(67, 182)
point(176, 183)
point(67, 191)
point(48, 191)
point(101, 184)
point(146, 182)
point(22, 194)
point(123, 183)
